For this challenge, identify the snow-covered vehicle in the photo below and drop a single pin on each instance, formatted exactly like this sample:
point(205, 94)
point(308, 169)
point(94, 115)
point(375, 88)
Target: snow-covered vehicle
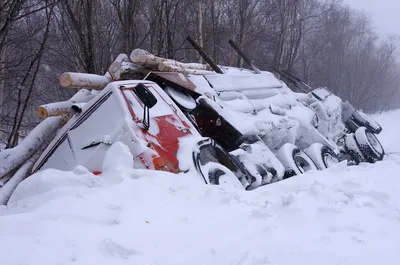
point(230, 125)
point(283, 124)
point(159, 136)
point(355, 131)
point(143, 117)
point(258, 103)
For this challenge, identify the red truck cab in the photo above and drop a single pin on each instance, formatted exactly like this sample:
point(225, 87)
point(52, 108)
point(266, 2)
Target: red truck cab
point(118, 114)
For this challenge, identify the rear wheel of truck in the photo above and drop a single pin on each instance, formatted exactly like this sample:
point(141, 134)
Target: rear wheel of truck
point(369, 145)
point(364, 120)
point(294, 160)
point(215, 165)
point(353, 150)
point(322, 155)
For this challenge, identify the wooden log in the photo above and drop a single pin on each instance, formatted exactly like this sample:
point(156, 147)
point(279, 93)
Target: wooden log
point(7, 190)
point(64, 107)
point(54, 109)
point(184, 68)
point(115, 68)
point(148, 60)
point(145, 59)
point(4, 180)
point(119, 71)
point(81, 80)
point(11, 159)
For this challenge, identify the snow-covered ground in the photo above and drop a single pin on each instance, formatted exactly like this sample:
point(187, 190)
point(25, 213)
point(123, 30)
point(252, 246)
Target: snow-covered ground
point(390, 135)
point(343, 215)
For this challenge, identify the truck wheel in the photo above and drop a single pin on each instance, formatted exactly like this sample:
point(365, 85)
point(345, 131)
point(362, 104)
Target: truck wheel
point(220, 175)
point(294, 160)
point(365, 121)
point(369, 145)
point(322, 155)
point(353, 150)
point(216, 166)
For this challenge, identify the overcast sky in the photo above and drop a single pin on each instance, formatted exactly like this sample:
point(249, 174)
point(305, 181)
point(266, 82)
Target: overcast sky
point(384, 13)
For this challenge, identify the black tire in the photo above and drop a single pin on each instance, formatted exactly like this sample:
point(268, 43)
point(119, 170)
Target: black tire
point(211, 160)
point(294, 160)
point(351, 125)
point(353, 150)
point(369, 145)
point(220, 175)
point(322, 155)
point(366, 121)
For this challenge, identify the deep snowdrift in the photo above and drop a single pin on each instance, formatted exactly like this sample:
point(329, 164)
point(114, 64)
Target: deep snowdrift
point(344, 215)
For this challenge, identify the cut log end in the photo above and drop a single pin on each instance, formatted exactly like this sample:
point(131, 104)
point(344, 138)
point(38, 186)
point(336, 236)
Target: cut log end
point(42, 112)
point(87, 81)
point(65, 80)
point(45, 111)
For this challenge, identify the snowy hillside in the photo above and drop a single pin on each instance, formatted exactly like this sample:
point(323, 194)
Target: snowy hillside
point(344, 215)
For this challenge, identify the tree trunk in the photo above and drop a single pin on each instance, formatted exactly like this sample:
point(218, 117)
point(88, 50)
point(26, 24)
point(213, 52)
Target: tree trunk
point(2, 87)
point(128, 25)
point(200, 16)
point(12, 139)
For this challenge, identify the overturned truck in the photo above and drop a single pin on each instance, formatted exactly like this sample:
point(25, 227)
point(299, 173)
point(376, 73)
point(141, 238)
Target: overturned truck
point(231, 126)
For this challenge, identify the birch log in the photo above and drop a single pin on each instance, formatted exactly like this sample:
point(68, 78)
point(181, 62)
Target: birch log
point(175, 66)
point(81, 80)
point(12, 158)
point(7, 190)
point(64, 107)
point(148, 60)
point(115, 68)
point(4, 180)
point(119, 70)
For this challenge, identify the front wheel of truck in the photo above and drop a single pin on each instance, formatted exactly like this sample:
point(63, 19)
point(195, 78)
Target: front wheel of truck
point(220, 175)
point(216, 166)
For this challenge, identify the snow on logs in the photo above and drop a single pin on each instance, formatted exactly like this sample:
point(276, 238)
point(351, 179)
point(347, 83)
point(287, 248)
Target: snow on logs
point(148, 60)
point(12, 158)
point(140, 60)
point(20, 174)
point(120, 66)
point(81, 80)
point(64, 107)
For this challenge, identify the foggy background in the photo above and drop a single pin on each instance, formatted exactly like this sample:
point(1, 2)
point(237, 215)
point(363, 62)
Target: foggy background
point(384, 14)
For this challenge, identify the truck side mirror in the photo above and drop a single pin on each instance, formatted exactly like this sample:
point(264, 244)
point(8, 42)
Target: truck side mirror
point(145, 95)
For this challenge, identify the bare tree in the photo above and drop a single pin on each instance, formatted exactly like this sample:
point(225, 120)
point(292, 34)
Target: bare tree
point(323, 41)
point(31, 72)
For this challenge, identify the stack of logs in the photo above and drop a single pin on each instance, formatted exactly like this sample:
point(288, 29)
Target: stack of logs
point(141, 62)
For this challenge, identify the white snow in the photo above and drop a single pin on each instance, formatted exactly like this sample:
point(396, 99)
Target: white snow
point(343, 215)
point(390, 135)
point(117, 157)
point(242, 82)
